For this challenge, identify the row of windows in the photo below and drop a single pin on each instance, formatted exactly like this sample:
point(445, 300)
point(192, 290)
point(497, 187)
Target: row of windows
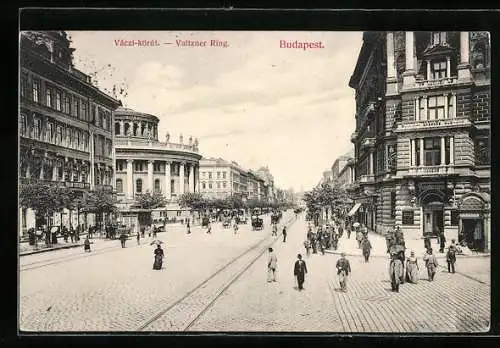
point(210, 185)
point(204, 175)
point(139, 186)
point(142, 166)
point(54, 133)
point(53, 97)
point(433, 108)
point(432, 151)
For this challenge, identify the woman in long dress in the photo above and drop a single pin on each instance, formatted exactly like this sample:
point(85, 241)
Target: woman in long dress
point(158, 258)
point(412, 268)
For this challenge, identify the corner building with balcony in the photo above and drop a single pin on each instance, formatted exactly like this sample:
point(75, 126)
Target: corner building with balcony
point(145, 164)
point(422, 138)
point(65, 124)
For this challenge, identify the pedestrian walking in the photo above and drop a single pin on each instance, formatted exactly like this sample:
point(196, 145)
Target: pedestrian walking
point(412, 268)
point(307, 245)
point(284, 234)
point(123, 238)
point(395, 271)
point(300, 271)
point(451, 257)
point(272, 262)
point(348, 233)
point(209, 228)
point(86, 244)
point(158, 258)
point(143, 231)
point(442, 241)
point(427, 242)
point(275, 230)
point(188, 226)
point(343, 270)
point(155, 231)
point(430, 263)
point(359, 237)
point(366, 247)
point(138, 238)
point(235, 226)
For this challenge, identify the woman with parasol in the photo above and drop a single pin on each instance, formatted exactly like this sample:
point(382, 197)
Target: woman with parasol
point(158, 256)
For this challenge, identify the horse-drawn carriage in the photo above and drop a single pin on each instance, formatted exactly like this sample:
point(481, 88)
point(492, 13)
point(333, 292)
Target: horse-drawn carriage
point(257, 223)
point(276, 217)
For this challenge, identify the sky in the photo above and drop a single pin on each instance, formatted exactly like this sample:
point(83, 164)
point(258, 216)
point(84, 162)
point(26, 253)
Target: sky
point(252, 102)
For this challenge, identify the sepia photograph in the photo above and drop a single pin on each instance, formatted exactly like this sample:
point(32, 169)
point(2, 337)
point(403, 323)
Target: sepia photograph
point(254, 181)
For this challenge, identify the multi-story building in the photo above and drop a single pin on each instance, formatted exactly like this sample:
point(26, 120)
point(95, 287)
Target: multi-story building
point(269, 194)
point(220, 179)
point(65, 123)
point(345, 175)
point(422, 138)
point(145, 164)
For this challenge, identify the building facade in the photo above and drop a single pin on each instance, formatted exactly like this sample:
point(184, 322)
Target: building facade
point(422, 138)
point(65, 123)
point(145, 164)
point(220, 179)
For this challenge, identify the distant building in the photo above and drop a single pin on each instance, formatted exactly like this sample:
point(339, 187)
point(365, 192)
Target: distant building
point(146, 164)
point(220, 178)
point(65, 124)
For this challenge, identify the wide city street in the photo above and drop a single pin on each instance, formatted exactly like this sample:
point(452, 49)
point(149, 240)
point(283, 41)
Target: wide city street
point(217, 282)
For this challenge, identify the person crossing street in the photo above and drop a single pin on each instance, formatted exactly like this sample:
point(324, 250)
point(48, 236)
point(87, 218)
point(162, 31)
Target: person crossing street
point(284, 234)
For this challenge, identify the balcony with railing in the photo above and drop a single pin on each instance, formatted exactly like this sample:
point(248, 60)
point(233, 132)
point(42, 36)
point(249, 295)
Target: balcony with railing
point(156, 145)
point(368, 142)
point(434, 83)
point(104, 187)
point(431, 170)
point(434, 124)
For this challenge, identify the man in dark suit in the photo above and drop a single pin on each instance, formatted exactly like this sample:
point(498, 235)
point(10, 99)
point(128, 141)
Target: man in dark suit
point(300, 270)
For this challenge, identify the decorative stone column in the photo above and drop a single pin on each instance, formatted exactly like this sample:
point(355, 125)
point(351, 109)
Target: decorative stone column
point(417, 109)
point(409, 74)
point(41, 169)
point(452, 150)
point(426, 116)
point(421, 152)
point(122, 128)
point(392, 82)
point(181, 178)
point(371, 162)
point(446, 96)
point(150, 176)
point(54, 171)
point(464, 67)
point(448, 67)
point(130, 179)
point(454, 103)
point(443, 151)
point(168, 188)
point(191, 178)
point(412, 153)
point(428, 64)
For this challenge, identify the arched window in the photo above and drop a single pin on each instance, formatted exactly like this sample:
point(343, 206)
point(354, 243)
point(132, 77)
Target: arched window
point(138, 186)
point(126, 130)
point(135, 126)
point(119, 185)
point(117, 128)
point(157, 185)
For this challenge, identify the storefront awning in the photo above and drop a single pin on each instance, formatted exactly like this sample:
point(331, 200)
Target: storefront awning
point(354, 209)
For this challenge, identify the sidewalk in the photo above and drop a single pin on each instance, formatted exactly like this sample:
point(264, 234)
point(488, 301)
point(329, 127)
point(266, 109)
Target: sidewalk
point(379, 247)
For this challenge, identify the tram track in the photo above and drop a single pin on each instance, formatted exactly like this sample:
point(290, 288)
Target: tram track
point(187, 310)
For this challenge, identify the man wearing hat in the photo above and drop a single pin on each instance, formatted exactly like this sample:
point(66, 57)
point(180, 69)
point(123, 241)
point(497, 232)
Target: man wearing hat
point(299, 271)
point(343, 271)
point(395, 271)
point(430, 263)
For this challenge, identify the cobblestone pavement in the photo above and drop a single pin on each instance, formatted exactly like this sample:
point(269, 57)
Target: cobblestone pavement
point(117, 290)
point(452, 303)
